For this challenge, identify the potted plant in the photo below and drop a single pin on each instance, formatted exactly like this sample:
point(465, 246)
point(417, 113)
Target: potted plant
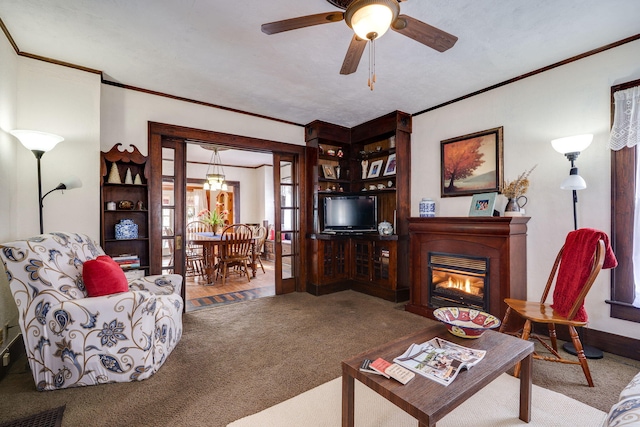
point(214, 218)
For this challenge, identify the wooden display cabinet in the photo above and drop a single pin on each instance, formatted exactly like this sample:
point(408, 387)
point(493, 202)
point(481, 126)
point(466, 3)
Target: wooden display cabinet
point(131, 202)
point(330, 264)
point(372, 265)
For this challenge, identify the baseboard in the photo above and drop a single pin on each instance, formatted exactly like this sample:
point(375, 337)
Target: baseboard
point(605, 341)
point(15, 350)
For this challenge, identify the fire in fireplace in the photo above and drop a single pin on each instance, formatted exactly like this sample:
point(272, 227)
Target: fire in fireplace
point(458, 280)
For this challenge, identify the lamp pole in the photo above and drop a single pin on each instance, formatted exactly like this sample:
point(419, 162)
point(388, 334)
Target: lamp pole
point(39, 154)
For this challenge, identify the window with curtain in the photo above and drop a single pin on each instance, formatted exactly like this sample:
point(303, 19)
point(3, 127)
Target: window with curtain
point(625, 191)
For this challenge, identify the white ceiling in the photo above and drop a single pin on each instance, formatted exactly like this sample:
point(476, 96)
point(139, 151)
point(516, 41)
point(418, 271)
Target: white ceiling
point(213, 50)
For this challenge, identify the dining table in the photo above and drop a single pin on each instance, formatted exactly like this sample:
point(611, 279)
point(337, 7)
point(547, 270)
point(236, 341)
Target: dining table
point(211, 244)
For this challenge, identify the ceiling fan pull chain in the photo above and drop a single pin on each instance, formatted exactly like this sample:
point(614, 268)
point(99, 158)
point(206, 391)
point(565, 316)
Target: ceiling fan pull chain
point(372, 64)
point(373, 46)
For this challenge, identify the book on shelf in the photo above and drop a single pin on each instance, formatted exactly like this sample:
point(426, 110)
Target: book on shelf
point(130, 266)
point(392, 370)
point(125, 257)
point(439, 360)
point(127, 261)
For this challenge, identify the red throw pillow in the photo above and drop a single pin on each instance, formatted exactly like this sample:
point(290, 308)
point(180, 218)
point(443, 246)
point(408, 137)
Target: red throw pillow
point(103, 276)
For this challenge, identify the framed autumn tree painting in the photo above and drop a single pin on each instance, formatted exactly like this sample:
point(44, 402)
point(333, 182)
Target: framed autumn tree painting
point(471, 163)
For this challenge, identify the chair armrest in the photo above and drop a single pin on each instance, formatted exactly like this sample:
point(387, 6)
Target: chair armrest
point(165, 284)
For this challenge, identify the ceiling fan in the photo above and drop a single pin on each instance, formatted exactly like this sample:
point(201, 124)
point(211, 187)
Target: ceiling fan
point(369, 19)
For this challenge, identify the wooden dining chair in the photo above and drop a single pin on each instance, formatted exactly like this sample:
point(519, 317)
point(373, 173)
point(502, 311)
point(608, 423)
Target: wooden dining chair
point(235, 251)
point(578, 263)
point(260, 235)
point(194, 255)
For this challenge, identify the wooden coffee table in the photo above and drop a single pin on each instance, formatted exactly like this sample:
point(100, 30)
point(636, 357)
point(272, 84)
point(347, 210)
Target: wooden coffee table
point(427, 400)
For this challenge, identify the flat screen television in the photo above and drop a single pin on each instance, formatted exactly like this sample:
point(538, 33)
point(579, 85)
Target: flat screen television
point(350, 214)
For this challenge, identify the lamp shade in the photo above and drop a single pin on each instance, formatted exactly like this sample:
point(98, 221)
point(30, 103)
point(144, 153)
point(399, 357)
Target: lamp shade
point(37, 141)
point(572, 144)
point(71, 183)
point(573, 182)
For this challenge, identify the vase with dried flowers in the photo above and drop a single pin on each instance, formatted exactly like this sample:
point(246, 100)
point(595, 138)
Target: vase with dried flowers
point(514, 192)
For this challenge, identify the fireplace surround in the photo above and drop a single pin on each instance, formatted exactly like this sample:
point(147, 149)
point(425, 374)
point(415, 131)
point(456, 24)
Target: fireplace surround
point(491, 252)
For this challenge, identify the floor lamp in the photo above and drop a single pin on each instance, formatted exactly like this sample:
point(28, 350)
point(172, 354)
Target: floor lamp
point(571, 147)
point(38, 143)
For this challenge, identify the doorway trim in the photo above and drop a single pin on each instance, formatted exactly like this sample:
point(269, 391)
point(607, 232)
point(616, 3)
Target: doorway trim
point(158, 131)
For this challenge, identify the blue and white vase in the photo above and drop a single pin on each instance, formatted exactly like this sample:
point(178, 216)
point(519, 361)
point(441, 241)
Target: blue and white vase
point(427, 208)
point(126, 229)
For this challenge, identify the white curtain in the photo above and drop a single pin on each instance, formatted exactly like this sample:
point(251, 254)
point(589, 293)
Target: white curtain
point(200, 200)
point(626, 133)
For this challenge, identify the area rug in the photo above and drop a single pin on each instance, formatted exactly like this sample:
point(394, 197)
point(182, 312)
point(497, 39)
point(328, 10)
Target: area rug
point(50, 418)
point(228, 298)
point(494, 406)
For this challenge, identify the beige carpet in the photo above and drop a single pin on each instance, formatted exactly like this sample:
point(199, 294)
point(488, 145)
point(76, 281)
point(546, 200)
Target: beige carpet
point(494, 406)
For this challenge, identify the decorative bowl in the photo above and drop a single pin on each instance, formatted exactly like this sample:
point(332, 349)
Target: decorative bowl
point(466, 322)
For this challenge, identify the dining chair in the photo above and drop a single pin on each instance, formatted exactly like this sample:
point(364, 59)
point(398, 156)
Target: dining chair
point(585, 252)
point(194, 256)
point(235, 251)
point(260, 235)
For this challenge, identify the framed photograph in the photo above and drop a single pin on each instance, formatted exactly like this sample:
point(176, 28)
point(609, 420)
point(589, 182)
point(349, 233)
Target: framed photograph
point(375, 169)
point(328, 172)
point(471, 163)
point(482, 204)
point(390, 168)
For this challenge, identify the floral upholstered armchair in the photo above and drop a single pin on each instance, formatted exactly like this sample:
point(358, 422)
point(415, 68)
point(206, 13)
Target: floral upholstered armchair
point(72, 339)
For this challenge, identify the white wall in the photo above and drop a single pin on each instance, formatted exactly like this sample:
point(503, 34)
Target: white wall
point(126, 113)
point(65, 102)
point(8, 177)
point(569, 100)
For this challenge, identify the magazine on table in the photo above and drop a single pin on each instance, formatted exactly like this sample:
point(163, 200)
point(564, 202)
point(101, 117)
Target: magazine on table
point(439, 360)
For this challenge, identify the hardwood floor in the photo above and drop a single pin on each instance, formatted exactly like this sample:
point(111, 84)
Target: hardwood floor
point(200, 295)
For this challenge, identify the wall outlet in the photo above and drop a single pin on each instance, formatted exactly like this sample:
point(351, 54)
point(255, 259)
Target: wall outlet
point(6, 359)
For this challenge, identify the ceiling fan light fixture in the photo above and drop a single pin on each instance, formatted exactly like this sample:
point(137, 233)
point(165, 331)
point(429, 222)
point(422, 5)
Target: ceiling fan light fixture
point(370, 19)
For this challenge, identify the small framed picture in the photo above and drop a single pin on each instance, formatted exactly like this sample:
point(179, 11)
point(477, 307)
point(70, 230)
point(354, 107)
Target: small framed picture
point(390, 168)
point(328, 172)
point(375, 169)
point(482, 204)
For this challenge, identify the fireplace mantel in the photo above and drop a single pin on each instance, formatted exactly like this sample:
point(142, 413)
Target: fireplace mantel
point(502, 239)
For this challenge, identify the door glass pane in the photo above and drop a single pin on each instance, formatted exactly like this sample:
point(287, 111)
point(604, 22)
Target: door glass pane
point(167, 192)
point(167, 162)
point(288, 218)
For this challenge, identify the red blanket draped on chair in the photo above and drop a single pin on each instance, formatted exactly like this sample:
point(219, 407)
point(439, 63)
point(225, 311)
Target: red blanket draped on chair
point(575, 267)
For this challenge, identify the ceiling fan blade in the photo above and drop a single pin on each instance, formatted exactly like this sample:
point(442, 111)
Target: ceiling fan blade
point(424, 33)
point(301, 22)
point(354, 53)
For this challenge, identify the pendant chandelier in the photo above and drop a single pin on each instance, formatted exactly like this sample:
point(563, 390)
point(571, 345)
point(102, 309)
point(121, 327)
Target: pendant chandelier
point(215, 179)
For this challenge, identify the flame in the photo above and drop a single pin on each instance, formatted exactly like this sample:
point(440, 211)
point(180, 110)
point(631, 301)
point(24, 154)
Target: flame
point(462, 285)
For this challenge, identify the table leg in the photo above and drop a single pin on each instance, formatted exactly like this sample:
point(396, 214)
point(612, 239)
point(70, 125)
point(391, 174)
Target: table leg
point(209, 256)
point(254, 255)
point(348, 410)
point(526, 367)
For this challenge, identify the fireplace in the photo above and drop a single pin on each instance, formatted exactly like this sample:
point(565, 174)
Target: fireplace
point(458, 280)
point(487, 252)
